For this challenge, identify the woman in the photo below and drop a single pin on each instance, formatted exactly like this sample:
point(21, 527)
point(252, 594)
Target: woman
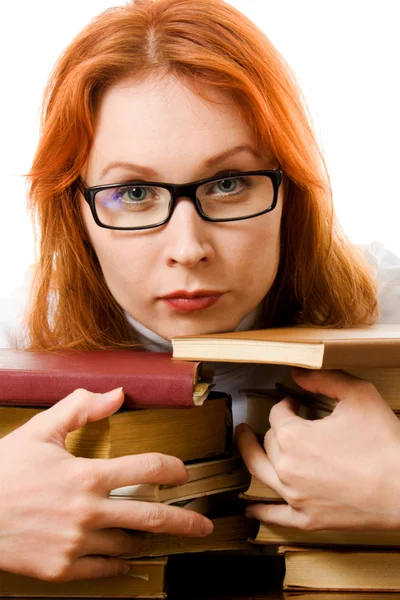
point(149, 98)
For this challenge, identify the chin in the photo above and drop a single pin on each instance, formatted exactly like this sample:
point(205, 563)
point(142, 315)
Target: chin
point(178, 330)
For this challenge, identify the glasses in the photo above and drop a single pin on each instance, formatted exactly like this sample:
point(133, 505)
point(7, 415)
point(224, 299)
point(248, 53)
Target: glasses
point(144, 205)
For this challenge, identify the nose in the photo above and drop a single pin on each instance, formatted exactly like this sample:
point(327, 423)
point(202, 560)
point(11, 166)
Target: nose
point(188, 237)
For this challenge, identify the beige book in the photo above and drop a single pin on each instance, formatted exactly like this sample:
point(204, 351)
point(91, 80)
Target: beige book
point(146, 579)
point(259, 491)
point(277, 535)
point(332, 569)
point(231, 480)
point(329, 595)
point(188, 433)
point(303, 346)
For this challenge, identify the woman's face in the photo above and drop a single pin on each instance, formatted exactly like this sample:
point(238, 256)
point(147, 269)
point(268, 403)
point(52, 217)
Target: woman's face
point(159, 130)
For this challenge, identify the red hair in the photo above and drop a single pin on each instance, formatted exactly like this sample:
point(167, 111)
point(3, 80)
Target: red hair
point(321, 278)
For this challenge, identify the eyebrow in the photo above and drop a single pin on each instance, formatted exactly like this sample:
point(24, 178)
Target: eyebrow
point(148, 172)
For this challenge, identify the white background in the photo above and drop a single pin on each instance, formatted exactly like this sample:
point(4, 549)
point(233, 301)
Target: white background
point(346, 54)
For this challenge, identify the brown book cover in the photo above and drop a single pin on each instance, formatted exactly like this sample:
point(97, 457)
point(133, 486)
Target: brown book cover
point(149, 379)
point(309, 347)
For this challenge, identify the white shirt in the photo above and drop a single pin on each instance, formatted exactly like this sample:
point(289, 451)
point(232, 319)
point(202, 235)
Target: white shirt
point(232, 377)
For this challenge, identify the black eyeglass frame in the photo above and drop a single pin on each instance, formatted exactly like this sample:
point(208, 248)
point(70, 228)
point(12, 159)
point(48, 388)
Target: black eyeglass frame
point(186, 190)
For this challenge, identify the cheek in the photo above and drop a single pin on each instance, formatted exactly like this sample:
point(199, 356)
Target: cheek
point(256, 253)
point(126, 262)
point(124, 259)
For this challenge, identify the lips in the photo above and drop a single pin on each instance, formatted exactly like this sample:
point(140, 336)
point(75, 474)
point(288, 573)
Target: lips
point(184, 301)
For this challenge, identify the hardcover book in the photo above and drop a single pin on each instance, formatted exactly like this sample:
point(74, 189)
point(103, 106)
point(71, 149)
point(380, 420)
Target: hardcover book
point(205, 479)
point(289, 536)
point(146, 579)
point(341, 570)
point(149, 379)
point(303, 346)
point(199, 434)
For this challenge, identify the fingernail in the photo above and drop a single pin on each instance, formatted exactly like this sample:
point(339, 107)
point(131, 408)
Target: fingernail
point(124, 569)
point(112, 393)
point(206, 527)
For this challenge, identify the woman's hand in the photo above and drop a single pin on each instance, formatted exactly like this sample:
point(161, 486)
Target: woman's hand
point(340, 472)
point(56, 519)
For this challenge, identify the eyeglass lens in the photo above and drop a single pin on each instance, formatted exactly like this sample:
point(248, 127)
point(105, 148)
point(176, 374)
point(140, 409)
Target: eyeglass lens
point(143, 205)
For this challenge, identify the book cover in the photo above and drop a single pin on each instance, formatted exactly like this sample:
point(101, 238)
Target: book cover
point(149, 379)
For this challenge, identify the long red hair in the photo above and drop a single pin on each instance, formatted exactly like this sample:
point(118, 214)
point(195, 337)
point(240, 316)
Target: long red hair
point(322, 280)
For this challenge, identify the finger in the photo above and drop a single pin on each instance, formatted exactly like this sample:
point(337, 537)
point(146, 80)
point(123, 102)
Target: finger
point(256, 459)
point(153, 517)
point(113, 542)
point(340, 386)
point(93, 567)
point(275, 514)
point(272, 448)
point(334, 384)
point(151, 467)
point(74, 411)
point(283, 412)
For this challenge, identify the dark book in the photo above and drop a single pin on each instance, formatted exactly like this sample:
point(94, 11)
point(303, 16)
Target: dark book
point(149, 379)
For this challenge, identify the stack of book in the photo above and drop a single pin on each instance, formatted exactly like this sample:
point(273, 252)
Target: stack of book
point(330, 560)
point(169, 407)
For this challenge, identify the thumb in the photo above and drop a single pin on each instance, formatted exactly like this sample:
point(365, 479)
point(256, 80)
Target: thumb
point(75, 410)
point(338, 385)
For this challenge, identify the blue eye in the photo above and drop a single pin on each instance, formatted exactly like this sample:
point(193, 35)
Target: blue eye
point(227, 185)
point(227, 188)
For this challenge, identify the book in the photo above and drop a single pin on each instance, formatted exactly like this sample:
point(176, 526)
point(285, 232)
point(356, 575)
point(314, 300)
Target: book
point(303, 346)
point(204, 432)
point(146, 579)
point(230, 532)
point(330, 595)
point(268, 534)
point(149, 379)
point(227, 474)
point(259, 491)
point(333, 569)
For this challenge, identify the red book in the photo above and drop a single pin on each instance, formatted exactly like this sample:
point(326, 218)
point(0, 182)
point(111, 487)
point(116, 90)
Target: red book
point(149, 379)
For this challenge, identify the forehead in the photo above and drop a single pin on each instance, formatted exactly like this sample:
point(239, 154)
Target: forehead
point(162, 122)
